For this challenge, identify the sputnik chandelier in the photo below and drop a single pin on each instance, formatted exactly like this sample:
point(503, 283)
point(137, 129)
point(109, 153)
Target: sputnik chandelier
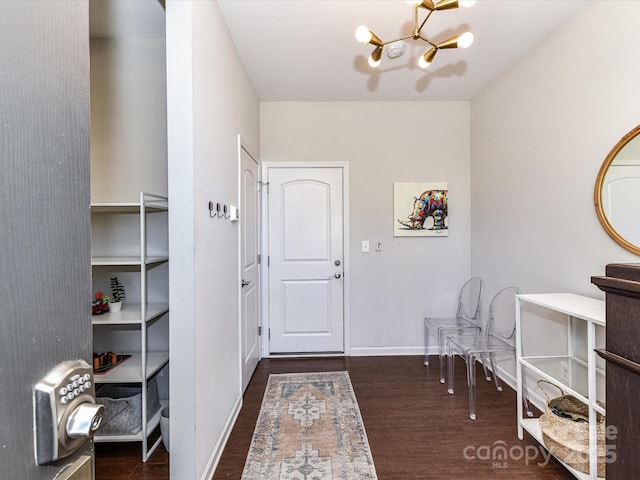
point(366, 36)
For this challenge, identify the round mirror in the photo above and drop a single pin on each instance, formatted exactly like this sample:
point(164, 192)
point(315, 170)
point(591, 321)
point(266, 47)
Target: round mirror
point(617, 192)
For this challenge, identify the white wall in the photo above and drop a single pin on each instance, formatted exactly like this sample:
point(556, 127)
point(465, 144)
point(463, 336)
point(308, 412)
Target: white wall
point(539, 135)
point(210, 102)
point(387, 142)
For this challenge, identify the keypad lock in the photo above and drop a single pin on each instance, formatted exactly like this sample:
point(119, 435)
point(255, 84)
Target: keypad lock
point(65, 410)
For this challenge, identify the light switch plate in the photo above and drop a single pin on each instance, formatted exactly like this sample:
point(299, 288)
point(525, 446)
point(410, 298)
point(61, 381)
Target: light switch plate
point(234, 213)
point(365, 246)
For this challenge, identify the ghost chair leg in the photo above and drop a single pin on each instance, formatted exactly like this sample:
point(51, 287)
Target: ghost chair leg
point(451, 358)
point(441, 346)
point(426, 345)
point(496, 377)
point(471, 380)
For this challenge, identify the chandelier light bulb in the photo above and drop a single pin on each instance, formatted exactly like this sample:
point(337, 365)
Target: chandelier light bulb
point(375, 57)
point(426, 59)
point(363, 34)
point(465, 40)
point(423, 64)
point(466, 3)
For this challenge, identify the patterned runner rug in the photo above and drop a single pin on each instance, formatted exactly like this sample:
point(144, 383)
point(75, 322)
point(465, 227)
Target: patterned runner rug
point(309, 428)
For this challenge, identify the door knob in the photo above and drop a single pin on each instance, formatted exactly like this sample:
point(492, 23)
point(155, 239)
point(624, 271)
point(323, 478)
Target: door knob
point(85, 420)
point(338, 275)
point(244, 283)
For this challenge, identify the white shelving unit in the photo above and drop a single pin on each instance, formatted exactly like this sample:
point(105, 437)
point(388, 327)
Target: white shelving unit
point(130, 241)
point(575, 372)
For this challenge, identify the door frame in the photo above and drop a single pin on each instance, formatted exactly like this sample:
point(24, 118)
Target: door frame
point(242, 145)
point(264, 273)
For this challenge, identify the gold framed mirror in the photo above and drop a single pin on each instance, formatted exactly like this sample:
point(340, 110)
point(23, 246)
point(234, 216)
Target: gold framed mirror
point(617, 192)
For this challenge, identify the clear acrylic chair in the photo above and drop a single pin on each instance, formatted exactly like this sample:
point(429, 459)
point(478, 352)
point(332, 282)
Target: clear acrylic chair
point(467, 320)
point(498, 339)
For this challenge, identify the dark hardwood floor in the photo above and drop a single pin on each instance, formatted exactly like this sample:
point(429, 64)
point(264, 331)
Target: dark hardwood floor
point(120, 461)
point(416, 430)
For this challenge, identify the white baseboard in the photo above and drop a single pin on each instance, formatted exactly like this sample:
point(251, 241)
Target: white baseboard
point(391, 351)
point(214, 459)
point(364, 352)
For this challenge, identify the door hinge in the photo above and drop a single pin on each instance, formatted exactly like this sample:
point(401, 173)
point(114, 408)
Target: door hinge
point(259, 259)
point(269, 334)
point(259, 330)
point(261, 184)
point(268, 261)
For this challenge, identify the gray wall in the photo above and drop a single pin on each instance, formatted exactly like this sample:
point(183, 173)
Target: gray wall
point(539, 136)
point(44, 211)
point(210, 101)
point(391, 290)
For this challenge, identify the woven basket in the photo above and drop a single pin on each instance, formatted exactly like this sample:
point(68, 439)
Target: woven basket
point(568, 438)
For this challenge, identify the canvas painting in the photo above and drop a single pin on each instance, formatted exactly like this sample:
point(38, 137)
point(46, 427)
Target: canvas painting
point(420, 209)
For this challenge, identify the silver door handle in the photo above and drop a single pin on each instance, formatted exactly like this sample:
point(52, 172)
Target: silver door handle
point(338, 275)
point(244, 283)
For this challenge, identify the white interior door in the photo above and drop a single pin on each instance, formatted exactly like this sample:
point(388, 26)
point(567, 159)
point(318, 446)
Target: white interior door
point(249, 264)
point(306, 264)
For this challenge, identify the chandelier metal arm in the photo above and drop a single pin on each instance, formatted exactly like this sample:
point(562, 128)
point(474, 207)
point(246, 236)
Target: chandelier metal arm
point(397, 40)
point(418, 30)
point(434, 45)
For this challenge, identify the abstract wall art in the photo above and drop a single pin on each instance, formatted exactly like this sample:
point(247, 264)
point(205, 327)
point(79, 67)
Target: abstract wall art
point(420, 209)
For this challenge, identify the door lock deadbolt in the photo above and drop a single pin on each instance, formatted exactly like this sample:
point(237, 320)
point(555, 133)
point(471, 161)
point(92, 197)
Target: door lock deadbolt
point(65, 411)
point(337, 263)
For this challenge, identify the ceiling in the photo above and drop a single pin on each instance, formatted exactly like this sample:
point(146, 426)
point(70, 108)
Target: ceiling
point(305, 50)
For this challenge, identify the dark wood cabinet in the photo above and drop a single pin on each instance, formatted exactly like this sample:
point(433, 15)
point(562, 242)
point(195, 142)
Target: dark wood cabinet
point(622, 353)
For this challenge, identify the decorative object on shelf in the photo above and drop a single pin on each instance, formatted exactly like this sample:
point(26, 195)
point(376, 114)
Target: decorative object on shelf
point(427, 206)
point(100, 304)
point(366, 36)
point(565, 431)
point(118, 293)
point(103, 362)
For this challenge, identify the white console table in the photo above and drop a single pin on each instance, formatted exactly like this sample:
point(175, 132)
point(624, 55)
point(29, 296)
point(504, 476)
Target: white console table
point(576, 376)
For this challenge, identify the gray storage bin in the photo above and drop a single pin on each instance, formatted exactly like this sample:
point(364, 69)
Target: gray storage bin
point(123, 407)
